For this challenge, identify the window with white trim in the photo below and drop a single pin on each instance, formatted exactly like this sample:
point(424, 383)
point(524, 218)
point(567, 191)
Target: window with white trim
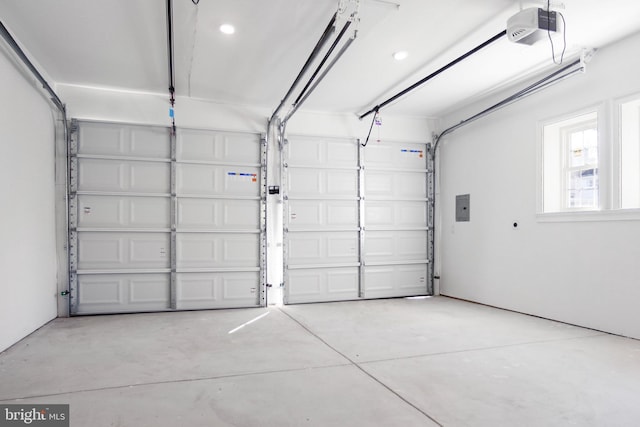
point(629, 128)
point(571, 164)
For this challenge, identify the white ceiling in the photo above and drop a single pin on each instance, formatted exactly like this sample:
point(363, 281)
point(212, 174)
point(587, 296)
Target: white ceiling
point(122, 44)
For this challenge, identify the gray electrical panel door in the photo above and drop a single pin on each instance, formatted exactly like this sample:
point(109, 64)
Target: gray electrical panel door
point(463, 208)
point(165, 222)
point(355, 220)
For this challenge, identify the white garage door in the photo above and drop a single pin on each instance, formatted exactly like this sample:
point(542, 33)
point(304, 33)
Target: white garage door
point(161, 222)
point(355, 220)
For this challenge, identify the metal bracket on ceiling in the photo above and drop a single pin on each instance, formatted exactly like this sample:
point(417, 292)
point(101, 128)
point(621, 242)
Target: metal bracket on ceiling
point(585, 57)
point(349, 11)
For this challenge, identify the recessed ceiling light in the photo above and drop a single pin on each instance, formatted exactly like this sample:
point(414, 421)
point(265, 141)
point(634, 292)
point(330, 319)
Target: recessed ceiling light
point(227, 29)
point(399, 56)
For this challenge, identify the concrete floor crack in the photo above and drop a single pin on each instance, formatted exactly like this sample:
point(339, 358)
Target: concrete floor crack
point(364, 371)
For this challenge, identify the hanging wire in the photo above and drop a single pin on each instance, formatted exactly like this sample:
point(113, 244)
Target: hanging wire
point(195, 2)
point(375, 116)
point(564, 34)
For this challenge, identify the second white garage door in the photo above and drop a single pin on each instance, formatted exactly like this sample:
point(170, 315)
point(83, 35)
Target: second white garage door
point(355, 220)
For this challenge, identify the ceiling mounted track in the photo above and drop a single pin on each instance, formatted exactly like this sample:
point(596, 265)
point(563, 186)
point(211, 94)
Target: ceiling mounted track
point(546, 81)
point(347, 13)
point(311, 86)
point(6, 35)
point(434, 74)
point(314, 53)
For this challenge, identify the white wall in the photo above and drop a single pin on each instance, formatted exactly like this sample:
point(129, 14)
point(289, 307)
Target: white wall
point(584, 272)
point(27, 229)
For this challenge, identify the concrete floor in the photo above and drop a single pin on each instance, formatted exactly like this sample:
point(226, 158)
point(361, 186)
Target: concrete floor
point(428, 362)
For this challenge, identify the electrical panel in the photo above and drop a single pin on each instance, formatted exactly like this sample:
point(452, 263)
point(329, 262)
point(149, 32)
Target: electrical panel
point(463, 208)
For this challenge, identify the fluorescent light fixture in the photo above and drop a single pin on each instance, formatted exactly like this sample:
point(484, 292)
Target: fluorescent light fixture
point(227, 29)
point(399, 56)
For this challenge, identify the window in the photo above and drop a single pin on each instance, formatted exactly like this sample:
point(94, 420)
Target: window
point(571, 172)
point(580, 152)
point(589, 164)
point(629, 129)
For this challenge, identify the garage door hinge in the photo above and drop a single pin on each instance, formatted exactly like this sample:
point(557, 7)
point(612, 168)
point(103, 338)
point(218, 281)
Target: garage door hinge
point(73, 126)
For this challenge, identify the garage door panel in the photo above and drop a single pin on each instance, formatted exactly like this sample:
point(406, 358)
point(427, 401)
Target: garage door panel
point(101, 175)
point(101, 139)
point(102, 211)
point(121, 140)
point(194, 179)
point(395, 280)
point(339, 152)
point(217, 290)
point(322, 284)
point(306, 151)
point(152, 142)
point(208, 214)
point(123, 176)
point(318, 215)
point(393, 185)
point(218, 147)
point(323, 248)
point(318, 151)
point(106, 290)
point(322, 183)
point(121, 293)
point(149, 177)
point(342, 183)
point(123, 212)
point(148, 212)
point(397, 246)
point(396, 214)
point(147, 250)
point(214, 250)
point(98, 250)
point(397, 155)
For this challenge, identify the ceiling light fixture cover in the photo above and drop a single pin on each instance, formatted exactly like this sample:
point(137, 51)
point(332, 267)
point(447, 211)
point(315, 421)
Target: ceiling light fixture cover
point(227, 29)
point(399, 56)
